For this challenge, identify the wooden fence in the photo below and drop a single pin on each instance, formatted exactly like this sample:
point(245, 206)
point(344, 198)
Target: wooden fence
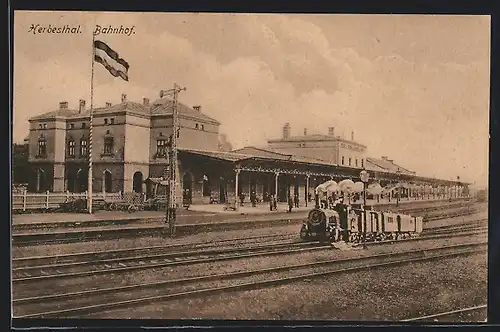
point(48, 200)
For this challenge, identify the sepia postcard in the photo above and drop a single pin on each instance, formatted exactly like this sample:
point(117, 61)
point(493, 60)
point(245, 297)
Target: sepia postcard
point(241, 166)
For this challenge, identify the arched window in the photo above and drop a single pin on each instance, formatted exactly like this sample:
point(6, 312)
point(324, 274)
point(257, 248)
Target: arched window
point(350, 160)
point(42, 147)
point(108, 181)
point(137, 182)
point(71, 147)
point(40, 180)
point(108, 145)
point(342, 160)
point(83, 147)
point(81, 180)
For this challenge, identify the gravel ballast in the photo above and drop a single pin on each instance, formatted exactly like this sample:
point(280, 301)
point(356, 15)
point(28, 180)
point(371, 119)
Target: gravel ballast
point(393, 293)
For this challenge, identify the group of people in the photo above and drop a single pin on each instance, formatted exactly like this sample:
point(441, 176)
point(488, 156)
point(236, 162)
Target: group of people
point(293, 202)
point(253, 198)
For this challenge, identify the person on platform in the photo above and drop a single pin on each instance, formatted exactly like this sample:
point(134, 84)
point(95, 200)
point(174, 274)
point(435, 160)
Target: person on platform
point(271, 202)
point(253, 198)
point(296, 200)
point(275, 203)
point(290, 203)
point(341, 209)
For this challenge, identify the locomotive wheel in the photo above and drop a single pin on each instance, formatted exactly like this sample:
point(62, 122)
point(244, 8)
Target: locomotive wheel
point(131, 208)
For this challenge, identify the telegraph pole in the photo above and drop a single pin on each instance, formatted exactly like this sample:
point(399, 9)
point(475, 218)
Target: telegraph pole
point(172, 164)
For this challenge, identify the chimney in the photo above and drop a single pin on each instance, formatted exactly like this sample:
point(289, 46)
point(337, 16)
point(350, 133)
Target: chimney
point(124, 98)
point(352, 135)
point(305, 131)
point(286, 130)
point(82, 106)
point(197, 108)
point(108, 104)
point(63, 104)
point(145, 101)
point(331, 131)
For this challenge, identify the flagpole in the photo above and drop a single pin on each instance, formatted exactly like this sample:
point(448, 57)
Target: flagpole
point(89, 190)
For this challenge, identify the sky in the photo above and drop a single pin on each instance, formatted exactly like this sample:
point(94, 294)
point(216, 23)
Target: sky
point(414, 88)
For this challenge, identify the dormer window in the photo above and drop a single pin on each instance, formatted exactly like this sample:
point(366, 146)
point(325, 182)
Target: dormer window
point(71, 126)
point(112, 121)
point(105, 121)
point(196, 126)
point(202, 127)
point(44, 126)
point(84, 125)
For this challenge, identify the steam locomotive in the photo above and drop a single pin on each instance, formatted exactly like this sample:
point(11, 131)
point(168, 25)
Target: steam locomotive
point(347, 223)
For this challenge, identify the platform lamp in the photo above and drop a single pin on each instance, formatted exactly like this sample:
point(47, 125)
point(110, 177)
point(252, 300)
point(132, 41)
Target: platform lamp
point(364, 176)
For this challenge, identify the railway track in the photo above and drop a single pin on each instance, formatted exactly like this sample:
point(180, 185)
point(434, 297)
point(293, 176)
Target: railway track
point(232, 242)
point(459, 315)
point(72, 266)
point(98, 300)
point(29, 239)
point(67, 258)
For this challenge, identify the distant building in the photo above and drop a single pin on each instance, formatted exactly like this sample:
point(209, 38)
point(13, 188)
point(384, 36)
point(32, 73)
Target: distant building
point(330, 148)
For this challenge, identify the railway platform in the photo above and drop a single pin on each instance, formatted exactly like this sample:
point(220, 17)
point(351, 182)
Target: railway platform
point(197, 214)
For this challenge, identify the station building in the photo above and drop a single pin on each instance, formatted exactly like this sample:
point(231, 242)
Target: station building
point(130, 152)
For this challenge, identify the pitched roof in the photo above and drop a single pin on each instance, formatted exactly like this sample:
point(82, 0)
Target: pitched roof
point(261, 152)
point(315, 138)
point(61, 112)
point(125, 106)
point(228, 156)
point(306, 138)
point(256, 153)
point(165, 106)
point(389, 166)
point(158, 107)
point(374, 167)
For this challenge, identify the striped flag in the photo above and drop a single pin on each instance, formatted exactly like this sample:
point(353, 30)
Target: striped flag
point(110, 60)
